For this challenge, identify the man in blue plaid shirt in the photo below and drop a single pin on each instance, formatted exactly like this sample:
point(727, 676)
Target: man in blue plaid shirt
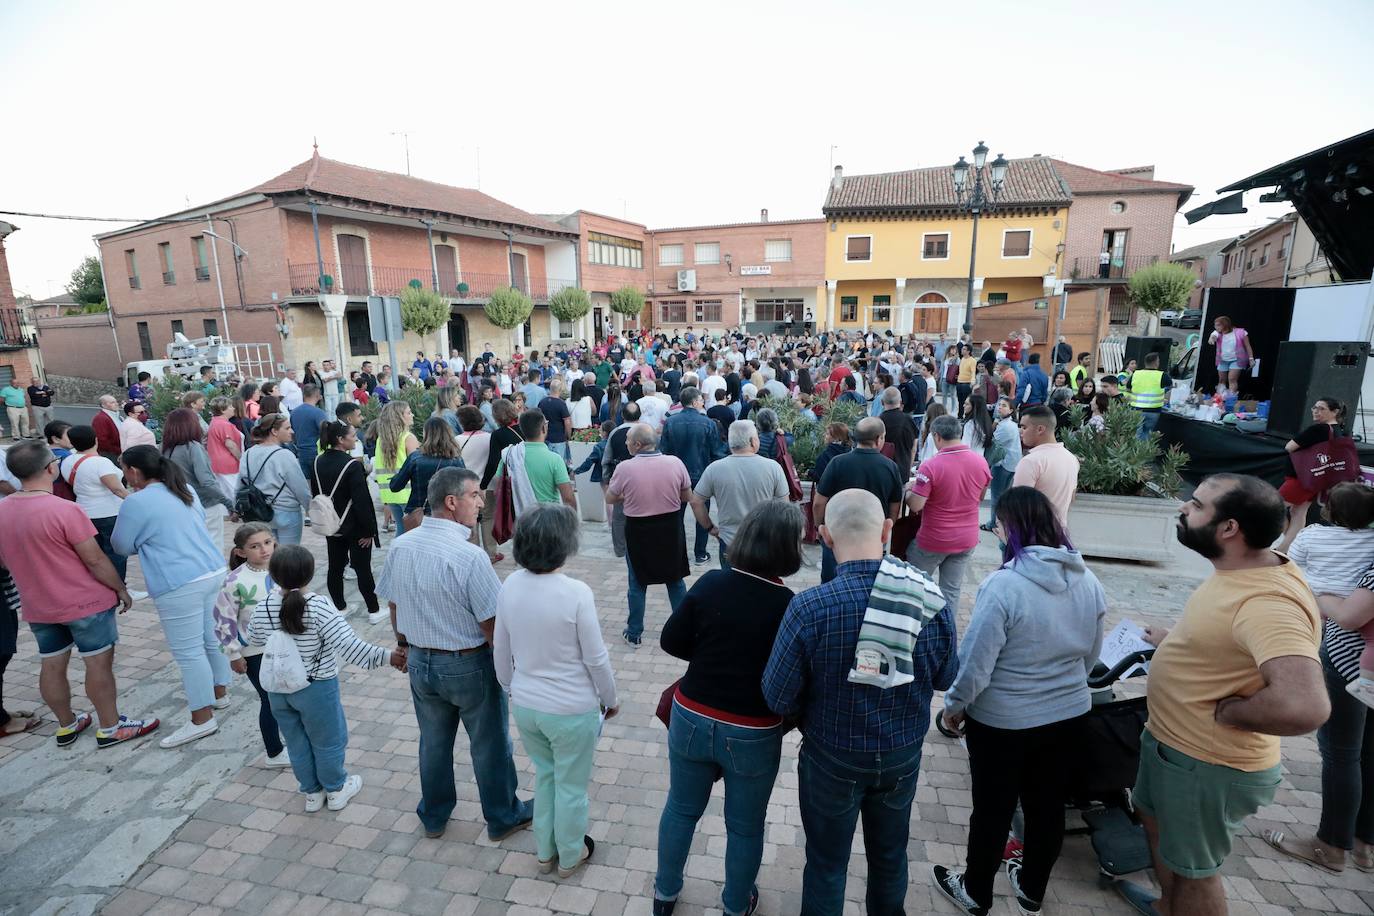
point(861, 750)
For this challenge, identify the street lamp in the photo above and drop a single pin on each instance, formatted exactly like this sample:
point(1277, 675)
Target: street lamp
point(977, 199)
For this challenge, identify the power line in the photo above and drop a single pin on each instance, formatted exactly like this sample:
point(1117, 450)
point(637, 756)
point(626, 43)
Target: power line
point(86, 219)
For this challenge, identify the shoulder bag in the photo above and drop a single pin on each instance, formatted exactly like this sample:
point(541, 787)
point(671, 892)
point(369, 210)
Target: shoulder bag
point(1320, 467)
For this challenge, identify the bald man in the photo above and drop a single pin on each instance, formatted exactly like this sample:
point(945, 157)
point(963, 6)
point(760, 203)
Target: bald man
point(864, 467)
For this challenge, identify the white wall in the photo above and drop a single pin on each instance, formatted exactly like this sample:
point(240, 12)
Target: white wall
point(1342, 312)
point(560, 263)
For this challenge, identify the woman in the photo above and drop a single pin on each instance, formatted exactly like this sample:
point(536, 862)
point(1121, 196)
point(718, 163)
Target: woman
point(446, 404)
point(985, 384)
point(968, 370)
point(437, 450)
point(767, 422)
point(925, 445)
point(720, 723)
point(268, 401)
point(99, 487)
point(1098, 420)
point(1234, 354)
point(550, 658)
point(194, 401)
point(506, 435)
point(474, 442)
point(183, 442)
point(252, 407)
point(163, 522)
point(580, 405)
point(1020, 697)
point(613, 402)
point(884, 383)
point(395, 442)
point(133, 431)
point(1061, 380)
point(224, 443)
point(344, 479)
point(272, 467)
point(486, 395)
point(1006, 447)
point(1328, 421)
point(311, 375)
point(977, 423)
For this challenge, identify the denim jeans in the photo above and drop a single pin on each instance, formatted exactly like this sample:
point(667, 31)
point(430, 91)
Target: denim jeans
point(287, 525)
point(448, 689)
point(951, 567)
point(562, 450)
point(316, 732)
point(721, 551)
point(699, 748)
point(1001, 482)
point(677, 590)
point(1149, 419)
point(703, 535)
point(187, 615)
point(562, 748)
point(397, 511)
point(836, 787)
point(103, 528)
point(1346, 743)
point(828, 564)
point(267, 723)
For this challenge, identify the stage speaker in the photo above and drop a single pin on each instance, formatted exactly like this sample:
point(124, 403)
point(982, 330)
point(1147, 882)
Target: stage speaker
point(1137, 347)
point(1308, 370)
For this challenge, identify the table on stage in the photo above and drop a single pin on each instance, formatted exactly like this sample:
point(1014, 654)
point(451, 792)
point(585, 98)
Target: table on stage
point(1216, 447)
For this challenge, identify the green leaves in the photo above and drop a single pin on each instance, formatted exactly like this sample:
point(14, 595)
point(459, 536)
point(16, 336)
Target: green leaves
point(1116, 463)
point(570, 303)
point(423, 311)
point(86, 286)
point(1161, 286)
point(627, 301)
point(508, 307)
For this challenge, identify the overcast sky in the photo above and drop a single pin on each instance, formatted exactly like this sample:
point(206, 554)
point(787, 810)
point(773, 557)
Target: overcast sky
point(670, 114)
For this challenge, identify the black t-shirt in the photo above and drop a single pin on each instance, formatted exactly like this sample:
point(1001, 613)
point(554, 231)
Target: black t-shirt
point(597, 393)
point(863, 469)
point(901, 435)
point(40, 395)
point(555, 410)
point(673, 379)
point(616, 354)
point(723, 416)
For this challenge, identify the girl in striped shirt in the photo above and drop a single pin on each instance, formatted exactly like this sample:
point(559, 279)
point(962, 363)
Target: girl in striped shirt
point(312, 719)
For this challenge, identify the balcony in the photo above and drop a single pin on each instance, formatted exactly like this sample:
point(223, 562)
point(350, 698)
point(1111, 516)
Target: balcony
point(15, 334)
point(358, 281)
point(1091, 270)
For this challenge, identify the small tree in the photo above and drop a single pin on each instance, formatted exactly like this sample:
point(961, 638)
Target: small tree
point(570, 303)
point(86, 286)
point(1115, 462)
point(1161, 286)
point(423, 311)
point(627, 301)
point(508, 308)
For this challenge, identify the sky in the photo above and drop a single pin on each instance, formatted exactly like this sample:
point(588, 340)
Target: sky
point(668, 114)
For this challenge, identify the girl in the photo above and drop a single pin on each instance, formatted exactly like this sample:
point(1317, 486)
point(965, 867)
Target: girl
point(925, 447)
point(344, 478)
point(247, 583)
point(977, 423)
point(1234, 353)
point(395, 442)
point(312, 719)
point(1098, 421)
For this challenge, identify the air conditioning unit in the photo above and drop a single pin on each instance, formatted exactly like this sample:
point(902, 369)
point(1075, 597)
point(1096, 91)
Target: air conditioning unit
point(686, 281)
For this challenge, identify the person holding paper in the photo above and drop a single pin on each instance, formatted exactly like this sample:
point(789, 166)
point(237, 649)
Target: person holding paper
point(1234, 354)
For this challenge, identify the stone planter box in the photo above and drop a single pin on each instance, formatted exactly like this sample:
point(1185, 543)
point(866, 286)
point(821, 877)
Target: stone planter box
point(590, 503)
point(1124, 527)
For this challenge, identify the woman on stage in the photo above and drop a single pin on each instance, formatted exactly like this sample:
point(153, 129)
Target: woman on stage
point(1233, 351)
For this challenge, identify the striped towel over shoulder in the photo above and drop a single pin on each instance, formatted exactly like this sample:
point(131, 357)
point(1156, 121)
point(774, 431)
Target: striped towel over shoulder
point(903, 600)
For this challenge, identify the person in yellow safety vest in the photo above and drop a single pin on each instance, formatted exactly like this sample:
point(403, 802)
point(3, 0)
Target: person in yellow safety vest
point(395, 442)
point(1149, 387)
point(1079, 372)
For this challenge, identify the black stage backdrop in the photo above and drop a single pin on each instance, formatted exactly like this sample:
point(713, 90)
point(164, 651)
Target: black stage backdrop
point(1266, 315)
point(1214, 448)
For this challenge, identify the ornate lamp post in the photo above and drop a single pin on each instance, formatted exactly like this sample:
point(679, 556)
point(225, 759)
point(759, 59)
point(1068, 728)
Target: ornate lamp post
point(978, 199)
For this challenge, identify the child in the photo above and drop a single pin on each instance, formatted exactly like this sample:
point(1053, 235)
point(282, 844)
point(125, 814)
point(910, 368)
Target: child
point(360, 395)
point(247, 583)
point(312, 719)
point(593, 462)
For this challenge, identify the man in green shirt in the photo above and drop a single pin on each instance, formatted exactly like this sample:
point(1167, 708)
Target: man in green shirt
point(17, 406)
point(603, 371)
point(547, 473)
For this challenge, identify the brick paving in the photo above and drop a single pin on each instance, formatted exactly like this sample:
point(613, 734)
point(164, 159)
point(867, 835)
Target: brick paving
point(205, 829)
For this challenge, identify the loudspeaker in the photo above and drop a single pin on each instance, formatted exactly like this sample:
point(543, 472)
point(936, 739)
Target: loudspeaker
point(1308, 370)
point(1137, 347)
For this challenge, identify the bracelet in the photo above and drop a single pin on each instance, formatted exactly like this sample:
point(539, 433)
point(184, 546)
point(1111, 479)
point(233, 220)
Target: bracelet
point(402, 644)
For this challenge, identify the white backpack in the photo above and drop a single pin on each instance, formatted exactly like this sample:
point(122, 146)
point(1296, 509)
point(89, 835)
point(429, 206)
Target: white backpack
point(283, 670)
point(324, 518)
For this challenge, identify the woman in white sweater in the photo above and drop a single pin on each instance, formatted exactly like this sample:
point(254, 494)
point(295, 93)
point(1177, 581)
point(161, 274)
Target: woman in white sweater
point(550, 658)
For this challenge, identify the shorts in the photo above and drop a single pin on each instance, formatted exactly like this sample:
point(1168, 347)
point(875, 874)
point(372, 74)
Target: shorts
point(1294, 493)
point(1226, 365)
point(91, 635)
point(1198, 806)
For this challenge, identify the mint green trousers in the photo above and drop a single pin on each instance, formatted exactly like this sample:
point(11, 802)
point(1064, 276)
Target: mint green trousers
point(562, 748)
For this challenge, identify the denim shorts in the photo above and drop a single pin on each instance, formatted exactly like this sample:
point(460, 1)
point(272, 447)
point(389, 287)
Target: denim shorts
point(1226, 365)
point(91, 635)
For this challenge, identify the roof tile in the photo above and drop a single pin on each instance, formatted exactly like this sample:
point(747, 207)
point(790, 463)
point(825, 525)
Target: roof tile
point(1030, 182)
point(1083, 180)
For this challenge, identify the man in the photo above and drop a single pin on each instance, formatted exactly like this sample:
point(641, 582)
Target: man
point(17, 407)
point(1045, 464)
point(771, 386)
point(290, 391)
point(737, 483)
point(652, 408)
point(442, 593)
point(352, 414)
point(652, 487)
point(694, 438)
point(947, 491)
point(40, 399)
point(594, 391)
point(1236, 672)
point(712, 383)
point(1111, 387)
point(1034, 387)
point(915, 393)
point(1079, 372)
point(70, 595)
point(899, 430)
point(532, 390)
point(305, 423)
point(106, 425)
point(721, 412)
point(140, 390)
point(329, 379)
point(864, 467)
point(602, 370)
point(546, 471)
point(1063, 354)
point(555, 411)
point(861, 750)
point(1012, 347)
point(422, 365)
point(1149, 388)
point(365, 375)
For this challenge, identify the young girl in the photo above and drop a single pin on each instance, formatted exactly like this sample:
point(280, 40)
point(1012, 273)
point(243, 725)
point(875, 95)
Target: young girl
point(312, 719)
point(925, 448)
point(247, 583)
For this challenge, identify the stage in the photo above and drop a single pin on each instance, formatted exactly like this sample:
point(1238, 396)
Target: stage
point(1214, 447)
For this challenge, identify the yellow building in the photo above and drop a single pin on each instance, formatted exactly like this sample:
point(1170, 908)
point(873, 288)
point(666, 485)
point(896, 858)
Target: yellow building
point(897, 247)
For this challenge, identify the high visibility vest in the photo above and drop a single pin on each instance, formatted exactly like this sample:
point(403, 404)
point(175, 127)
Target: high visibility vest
point(1147, 389)
point(1076, 376)
point(383, 477)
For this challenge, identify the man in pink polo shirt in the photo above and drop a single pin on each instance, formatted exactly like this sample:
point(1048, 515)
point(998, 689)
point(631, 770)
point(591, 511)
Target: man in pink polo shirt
point(947, 490)
point(1045, 463)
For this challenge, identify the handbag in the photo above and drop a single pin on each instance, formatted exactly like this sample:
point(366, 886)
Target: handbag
point(903, 533)
point(789, 470)
point(1320, 467)
point(503, 513)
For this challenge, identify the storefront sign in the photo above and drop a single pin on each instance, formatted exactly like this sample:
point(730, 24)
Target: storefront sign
point(757, 270)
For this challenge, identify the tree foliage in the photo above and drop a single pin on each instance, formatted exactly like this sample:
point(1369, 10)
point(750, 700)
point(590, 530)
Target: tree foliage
point(86, 287)
point(570, 303)
point(508, 307)
point(627, 301)
point(423, 311)
point(1161, 286)
point(1115, 463)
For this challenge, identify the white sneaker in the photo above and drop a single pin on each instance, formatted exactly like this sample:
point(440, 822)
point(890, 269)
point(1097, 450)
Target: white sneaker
point(222, 702)
point(349, 573)
point(1362, 689)
point(351, 787)
point(279, 762)
point(314, 801)
point(346, 610)
point(375, 617)
point(190, 732)
point(137, 595)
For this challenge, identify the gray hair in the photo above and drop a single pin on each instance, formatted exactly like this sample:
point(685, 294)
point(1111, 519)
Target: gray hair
point(892, 397)
point(768, 373)
point(1061, 395)
point(946, 428)
point(448, 482)
point(647, 384)
point(689, 396)
point(691, 379)
point(741, 433)
point(545, 536)
point(642, 434)
point(767, 420)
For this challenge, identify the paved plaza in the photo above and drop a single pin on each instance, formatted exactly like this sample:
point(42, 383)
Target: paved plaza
point(205, 829)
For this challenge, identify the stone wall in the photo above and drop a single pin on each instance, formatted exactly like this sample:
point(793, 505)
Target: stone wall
point(72, 390)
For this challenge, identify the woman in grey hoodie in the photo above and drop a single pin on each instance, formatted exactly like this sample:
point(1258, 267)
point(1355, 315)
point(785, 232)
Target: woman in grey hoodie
point(273, 469)
point(1020, 698)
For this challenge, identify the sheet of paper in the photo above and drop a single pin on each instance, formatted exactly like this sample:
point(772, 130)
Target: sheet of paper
point(1128, 637)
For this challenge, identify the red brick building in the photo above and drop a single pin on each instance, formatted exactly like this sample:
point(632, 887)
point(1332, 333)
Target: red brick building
point(1260, 257)
point(19, 356)
point(611, 255)
point(1205, 262)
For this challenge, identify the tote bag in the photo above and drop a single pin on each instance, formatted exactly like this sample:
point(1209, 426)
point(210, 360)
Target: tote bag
point(1320, 467)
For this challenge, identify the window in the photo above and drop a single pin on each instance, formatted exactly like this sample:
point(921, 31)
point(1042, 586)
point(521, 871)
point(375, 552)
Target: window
point(131, 268)
point(935, 246)
point(849, 308)
point(777, 250)
point(882, 308)
point(1264, 256)
point(1250, 260)
point(359, 334)
point(775, 309)
point(1283, 246)
point(177, 328)
point(1119, 309)
point(145, 342)
point(996, 298)
point(858, 248)
point(706, 253)
point(1016, 243)
point(614, 251)
point(707, 311)
point(1118, 206)
point(670, 256)
point(673, 312)
point(198, 253)
point(209, 327)
point(164, 256)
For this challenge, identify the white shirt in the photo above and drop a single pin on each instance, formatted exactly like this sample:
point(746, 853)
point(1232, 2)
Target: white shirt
point(94, 498)
point(290, 394)
point(503, 382)
point(652, 411)
point(581, 412)
point(709, 386)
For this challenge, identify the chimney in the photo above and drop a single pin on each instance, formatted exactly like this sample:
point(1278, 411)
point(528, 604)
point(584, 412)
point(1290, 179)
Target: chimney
point(763, 216)
point(838, 181)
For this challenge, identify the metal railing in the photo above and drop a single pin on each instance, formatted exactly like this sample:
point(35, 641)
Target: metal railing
point(1089, 269)
point(15, 331)
point(360, 280)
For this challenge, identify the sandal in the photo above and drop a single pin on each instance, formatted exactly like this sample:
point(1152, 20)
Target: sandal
point(1306, 849)
point(588, 847)
point(1363, 859)
point(19, 723)
point(497, 557)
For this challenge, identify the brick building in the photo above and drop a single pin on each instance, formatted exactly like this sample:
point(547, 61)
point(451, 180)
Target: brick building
point(19, 356)
point(611, 255)
point(1205, 262)
point(1258, 258)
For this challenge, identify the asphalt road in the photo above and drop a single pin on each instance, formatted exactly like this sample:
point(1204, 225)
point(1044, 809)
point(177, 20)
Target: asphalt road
point(73, 414)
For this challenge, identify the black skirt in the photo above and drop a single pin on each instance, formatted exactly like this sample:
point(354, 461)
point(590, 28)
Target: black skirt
point(657, 547)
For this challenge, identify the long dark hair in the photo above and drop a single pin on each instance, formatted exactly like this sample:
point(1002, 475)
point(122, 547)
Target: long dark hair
point(292, 567)
point(152, 464)
point(331, 431)
point(182, 426)
point(1028, 520)
point(979, 417)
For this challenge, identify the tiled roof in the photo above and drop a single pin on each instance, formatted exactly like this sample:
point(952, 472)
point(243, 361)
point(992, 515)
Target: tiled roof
point(1030, 183)
point(1205, 250)
point(1083, 180)
point(771, 222)
point(340, 179)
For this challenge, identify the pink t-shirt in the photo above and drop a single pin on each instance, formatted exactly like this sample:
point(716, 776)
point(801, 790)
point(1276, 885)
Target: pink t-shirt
point(38, 538)
point(1053, 470)
point(651, 483)
point(952, 481)
point(221, 431)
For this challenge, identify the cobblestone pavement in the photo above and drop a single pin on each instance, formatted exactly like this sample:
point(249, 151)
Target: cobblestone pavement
point(205, 829)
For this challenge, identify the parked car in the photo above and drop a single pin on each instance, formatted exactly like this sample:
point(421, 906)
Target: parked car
point(1168, 316)
point(1191, 318)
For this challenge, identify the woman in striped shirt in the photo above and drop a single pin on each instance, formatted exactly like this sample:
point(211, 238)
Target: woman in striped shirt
point(312, 719)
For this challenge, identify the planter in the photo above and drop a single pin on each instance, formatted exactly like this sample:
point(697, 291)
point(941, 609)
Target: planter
point(590, 502)
point(1124, 527)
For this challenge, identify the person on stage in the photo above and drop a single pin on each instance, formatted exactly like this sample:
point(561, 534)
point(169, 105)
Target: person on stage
point(1234, 354)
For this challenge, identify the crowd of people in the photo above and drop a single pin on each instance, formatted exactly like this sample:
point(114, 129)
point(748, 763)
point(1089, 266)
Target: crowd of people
point(691, 422)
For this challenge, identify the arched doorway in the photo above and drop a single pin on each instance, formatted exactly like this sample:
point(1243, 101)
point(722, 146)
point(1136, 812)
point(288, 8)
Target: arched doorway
point(931, 314)
point(458, 334)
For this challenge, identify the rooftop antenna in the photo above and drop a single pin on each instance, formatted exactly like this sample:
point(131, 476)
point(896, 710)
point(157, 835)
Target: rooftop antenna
point(406, 135)
point(833, 147)
point(479, 168)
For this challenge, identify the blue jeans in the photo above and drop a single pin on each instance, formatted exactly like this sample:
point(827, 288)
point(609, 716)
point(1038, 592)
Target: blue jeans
point(677, 590)
point(703, 534)
point(721, 551)
point(699, 748)
point(835, 788)
point(287, 525)
point(307, 463)
point(562, 450)
point(828, 565)
point(187, 615)
point(103, 528)
point(316, 732)
point(397, 512)
point(448, 689)
point(1149, 419)
point(1001, 482)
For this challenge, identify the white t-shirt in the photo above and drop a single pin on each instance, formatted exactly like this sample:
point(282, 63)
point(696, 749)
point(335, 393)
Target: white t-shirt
point(709, 386)
point(1227, 345)
point(94, 498)
point(652, 411)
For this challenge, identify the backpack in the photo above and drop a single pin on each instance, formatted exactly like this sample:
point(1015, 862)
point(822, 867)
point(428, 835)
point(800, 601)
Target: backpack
point(250, 503)
point(952, 374)
point(324, 518)
point(283, 670)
